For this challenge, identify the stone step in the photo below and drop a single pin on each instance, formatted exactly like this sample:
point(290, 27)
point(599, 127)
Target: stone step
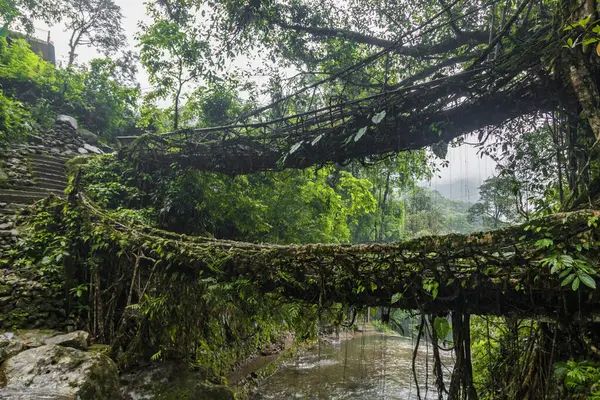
point(46, 187)
point(54, 169)
point(34, 189)
point(8, 211)
point(23, 197)
point(11, 210)
point(49, 175)
point(50, 184)
point(50, 157)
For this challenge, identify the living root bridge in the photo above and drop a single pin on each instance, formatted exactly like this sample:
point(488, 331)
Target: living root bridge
point(498, 272)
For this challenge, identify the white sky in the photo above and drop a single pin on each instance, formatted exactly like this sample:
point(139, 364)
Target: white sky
point(459, 181)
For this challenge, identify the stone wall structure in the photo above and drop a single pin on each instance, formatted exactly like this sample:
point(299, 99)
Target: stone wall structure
point(28, 173)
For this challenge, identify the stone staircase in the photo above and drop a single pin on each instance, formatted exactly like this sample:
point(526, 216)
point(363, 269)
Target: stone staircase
point(47, 174)
point(33, 171)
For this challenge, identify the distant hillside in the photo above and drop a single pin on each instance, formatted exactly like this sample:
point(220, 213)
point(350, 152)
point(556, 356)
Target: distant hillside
point(428, 212)
point(465, 190)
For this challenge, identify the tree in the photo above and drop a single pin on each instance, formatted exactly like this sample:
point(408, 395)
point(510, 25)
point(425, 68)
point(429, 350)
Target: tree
point(94, 23)
point(24, 12)
point(438, 69)
point(497, 205)
point(174, 52)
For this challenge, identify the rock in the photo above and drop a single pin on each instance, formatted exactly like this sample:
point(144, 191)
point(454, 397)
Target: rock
point(12, 343)
point(88, 136)
point(161, 381)
point(55, 150)
point(81, 150)
point(56, 372)
point(66, 120)
point(35, 139)
point(76, 340)
point(9, 348)
point(91, 148)
point(6, 226)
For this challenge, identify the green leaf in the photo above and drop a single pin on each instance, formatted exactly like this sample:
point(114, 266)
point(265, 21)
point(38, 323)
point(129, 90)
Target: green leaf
point(373, 286)
point(360, 134)
point(295, 147)
point(566, 260)
point(568, 280)
point(586, 279)
point(564, 273)
point(575, 284)
point(316, 140)
point(396, 297)
point(590, 41)
point(543, 243)
point(377, 118)
point(583, 22)
point(442, 327)
point(570, 42)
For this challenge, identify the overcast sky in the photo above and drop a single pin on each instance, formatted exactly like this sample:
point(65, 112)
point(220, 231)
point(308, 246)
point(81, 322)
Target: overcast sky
point(459, 181)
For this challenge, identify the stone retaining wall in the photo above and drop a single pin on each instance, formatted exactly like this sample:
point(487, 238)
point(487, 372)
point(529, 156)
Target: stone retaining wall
point(28, 173)
point(28, 304)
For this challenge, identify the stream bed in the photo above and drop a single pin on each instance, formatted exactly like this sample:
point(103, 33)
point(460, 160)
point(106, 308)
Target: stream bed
point(363, 366)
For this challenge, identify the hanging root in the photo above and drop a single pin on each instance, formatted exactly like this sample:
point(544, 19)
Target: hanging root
point(437, 362)
point(461, 384)
point(414, 358)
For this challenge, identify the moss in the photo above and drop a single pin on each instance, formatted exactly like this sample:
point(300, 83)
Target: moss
point(99, 348)
point(103, 383)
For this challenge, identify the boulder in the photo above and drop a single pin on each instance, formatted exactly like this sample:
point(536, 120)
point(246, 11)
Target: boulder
point(76, 340)
point(57, 372)
point(67, 120)
point(12, 343)
point(81, 150)
point(171, 380)
point(88, 136)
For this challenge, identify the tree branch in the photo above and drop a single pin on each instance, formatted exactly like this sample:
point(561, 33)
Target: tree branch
point(419, 50)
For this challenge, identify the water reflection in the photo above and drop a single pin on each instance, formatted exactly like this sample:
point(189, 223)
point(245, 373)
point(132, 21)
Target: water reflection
point(368, 366)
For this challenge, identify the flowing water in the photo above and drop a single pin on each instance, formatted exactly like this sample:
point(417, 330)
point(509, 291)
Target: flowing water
point(366, 366)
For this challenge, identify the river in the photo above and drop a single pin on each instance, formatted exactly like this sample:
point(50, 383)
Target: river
point(366, 366)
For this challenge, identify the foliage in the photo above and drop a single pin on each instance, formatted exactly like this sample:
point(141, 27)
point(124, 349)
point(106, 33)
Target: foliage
point(430, 213)
point(24, 12)
point(92, 94)
point(315, 205)
point(14, 119)
point(580, 379)
point(497, 203)
point(173, 51)
point(94, 23)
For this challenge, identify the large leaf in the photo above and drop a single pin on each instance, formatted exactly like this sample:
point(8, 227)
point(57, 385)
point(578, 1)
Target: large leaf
point(586, 279)
point(295, 147)
point(442, 327)
point(377, 118)
point(360, 134)
point(568, 280)
point(316, 140)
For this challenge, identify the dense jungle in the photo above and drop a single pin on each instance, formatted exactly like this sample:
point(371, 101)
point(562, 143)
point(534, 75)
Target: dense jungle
point(232, 199)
